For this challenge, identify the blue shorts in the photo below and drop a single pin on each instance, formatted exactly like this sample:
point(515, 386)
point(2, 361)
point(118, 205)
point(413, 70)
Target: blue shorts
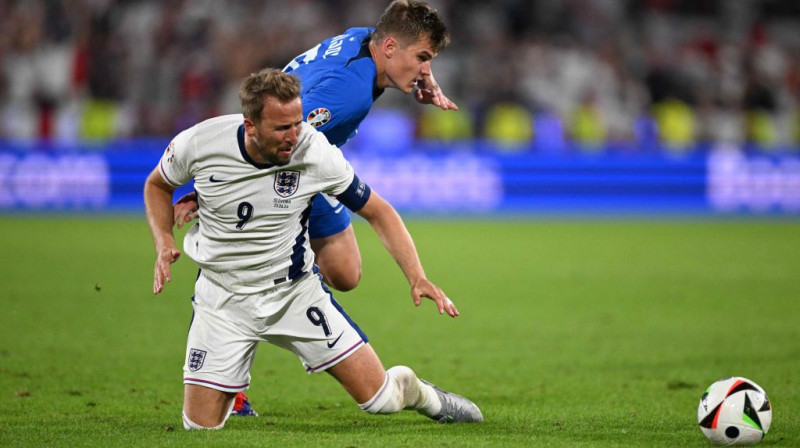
point(328, 217)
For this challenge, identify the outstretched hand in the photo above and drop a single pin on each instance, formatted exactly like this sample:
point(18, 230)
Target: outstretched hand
point(161, 273)
point(425, 288)
point(429, 92)
point(185, 209)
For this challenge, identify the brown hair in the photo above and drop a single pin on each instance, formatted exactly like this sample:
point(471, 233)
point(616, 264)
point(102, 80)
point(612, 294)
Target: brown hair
point(267, 82)
point(410, 20)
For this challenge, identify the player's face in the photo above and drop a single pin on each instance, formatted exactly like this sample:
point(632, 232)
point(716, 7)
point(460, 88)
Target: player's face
point(275, 135)
point(409, 64)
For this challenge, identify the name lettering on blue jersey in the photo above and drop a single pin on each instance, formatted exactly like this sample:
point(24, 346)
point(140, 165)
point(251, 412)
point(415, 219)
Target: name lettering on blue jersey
point(335, 47)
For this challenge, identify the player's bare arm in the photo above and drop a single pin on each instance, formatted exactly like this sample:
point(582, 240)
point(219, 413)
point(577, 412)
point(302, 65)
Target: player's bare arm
point(158, 207)
point(398, 242)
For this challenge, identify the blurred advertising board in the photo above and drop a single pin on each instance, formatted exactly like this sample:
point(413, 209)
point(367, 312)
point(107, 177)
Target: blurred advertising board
point(109, 178)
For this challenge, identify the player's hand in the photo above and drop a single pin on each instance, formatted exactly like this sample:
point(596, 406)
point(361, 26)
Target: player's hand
point(185, 209)
point(166, 256)
point(424, 288)
point(429, 92)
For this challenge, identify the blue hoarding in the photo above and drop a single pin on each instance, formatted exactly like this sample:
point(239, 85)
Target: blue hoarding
point(443, 181)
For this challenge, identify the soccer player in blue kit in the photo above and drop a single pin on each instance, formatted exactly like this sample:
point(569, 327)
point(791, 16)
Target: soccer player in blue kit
point(341, 78)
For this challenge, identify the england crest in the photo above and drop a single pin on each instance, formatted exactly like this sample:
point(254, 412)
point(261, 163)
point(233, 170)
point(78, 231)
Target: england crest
point(196, 358)
point(286, 183)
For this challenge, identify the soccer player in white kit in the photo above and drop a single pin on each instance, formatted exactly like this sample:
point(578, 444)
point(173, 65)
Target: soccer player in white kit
point(255, 175)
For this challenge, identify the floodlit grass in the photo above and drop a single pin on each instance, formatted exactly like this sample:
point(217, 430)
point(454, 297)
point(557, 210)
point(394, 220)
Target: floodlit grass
point(581, 333)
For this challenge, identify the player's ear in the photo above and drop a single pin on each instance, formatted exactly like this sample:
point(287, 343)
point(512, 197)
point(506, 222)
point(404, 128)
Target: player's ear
point(389, 46)
point(249, 127)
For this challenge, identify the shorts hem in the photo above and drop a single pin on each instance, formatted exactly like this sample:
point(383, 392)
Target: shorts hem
point(332, 362)
point(215, 385)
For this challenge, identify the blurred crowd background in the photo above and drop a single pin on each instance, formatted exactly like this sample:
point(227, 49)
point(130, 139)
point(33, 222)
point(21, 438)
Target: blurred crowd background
point(528, 75)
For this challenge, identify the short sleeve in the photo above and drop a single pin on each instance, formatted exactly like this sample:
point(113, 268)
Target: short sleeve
point(175, 164)
point(335, 172)
point(335, 107)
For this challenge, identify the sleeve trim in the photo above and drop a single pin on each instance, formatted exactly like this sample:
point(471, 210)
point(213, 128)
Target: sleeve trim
point(164, 174)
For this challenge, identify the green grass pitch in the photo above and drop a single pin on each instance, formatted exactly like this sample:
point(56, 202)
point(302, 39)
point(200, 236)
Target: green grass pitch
point(573, 333)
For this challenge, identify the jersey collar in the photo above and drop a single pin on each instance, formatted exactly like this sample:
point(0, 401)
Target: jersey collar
point(240, 140)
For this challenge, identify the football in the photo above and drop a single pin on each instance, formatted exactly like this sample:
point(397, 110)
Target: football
point(734, 411)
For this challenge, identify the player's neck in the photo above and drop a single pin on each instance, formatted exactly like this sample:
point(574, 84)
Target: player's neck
point(254, 151)
point(380, 66)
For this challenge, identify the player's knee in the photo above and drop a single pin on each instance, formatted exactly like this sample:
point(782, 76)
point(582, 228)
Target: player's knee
point(407, 383)
point(399, 391)
point(205, 420)
point(348, 282)
point(344, 278)
point(189, 425)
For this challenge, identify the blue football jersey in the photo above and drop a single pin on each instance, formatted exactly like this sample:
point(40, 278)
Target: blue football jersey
point(339, 83)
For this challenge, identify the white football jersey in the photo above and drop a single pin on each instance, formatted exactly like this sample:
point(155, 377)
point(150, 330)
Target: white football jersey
point(252, 229)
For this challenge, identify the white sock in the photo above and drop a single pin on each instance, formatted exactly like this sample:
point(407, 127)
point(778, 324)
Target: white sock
point(429, 403)
point(403, 390)
point(386, 400)
point(189, 425)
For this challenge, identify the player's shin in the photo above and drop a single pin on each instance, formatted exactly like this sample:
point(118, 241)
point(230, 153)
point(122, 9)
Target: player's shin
point(403, 390)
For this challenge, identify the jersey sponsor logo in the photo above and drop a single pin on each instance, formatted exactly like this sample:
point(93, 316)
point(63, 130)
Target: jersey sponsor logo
point(286, 183)
point(216, 181)
point(318, 117)
point(169, 153)
point(196, 358)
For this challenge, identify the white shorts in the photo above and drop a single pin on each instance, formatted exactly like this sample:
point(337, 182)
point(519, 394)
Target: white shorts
point(300, 316)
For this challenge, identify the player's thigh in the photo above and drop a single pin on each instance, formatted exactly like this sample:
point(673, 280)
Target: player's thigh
point(333, 241)
point(341, 247)
point(328, 217)
point(361, 374)
point(220, 345)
